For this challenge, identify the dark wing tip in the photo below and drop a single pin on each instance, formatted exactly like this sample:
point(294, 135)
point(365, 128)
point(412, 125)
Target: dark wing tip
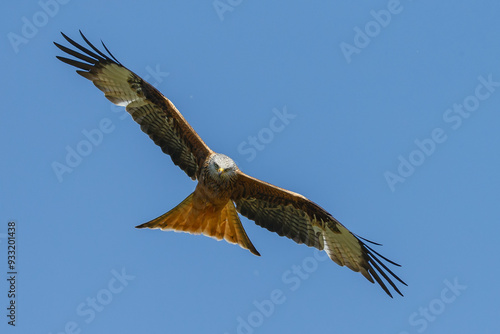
point(377, 268)
point(109, 52)
point(91, 57)
point(372, 242)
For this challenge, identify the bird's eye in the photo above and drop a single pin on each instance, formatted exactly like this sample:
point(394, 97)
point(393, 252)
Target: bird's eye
point(216, 165)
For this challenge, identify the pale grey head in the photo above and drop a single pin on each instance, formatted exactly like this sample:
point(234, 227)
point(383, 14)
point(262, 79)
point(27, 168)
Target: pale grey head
point(221, 167)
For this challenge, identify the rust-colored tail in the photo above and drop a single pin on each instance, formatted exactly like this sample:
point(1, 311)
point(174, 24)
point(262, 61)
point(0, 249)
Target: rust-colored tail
point(218, 223)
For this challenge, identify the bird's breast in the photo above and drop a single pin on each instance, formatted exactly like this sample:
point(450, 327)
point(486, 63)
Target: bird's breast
point(214, 190)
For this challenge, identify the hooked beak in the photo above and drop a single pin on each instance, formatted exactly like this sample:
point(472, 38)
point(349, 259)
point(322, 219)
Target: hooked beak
point(220, 170)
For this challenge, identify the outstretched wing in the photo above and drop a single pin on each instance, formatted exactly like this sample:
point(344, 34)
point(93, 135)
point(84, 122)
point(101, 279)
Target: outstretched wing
point(157, 116)
point(292, 215)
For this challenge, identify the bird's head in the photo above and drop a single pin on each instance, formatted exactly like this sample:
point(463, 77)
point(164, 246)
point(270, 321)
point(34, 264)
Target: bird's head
point(222, 167)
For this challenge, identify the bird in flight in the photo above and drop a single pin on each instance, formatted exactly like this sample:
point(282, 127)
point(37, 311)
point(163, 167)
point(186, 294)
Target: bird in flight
point(223, 189)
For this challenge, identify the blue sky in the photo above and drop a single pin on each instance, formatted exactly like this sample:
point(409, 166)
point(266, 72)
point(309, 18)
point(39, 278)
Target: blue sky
point(393, 128)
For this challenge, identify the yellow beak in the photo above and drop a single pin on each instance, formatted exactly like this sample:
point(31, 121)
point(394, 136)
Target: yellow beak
point(220, 170)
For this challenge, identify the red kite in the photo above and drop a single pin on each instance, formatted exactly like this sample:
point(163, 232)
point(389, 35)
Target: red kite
point(222, 189)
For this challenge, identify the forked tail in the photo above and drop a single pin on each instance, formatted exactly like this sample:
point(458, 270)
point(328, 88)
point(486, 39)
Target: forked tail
point(217, 223)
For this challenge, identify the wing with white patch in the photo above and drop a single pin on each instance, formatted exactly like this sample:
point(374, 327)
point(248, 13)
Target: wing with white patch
point(292, 215)
point(157, 116)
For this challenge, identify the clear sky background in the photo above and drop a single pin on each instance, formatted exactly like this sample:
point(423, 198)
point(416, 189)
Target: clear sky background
point(393, 127)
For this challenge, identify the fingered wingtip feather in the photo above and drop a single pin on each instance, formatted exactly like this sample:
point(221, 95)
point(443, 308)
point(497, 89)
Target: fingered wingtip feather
point(75, 54)
point(372, 242)
point(107, 50)
point(384, 275)
point(386, 259)
point(83, 49)
point(91, 57)
point(378, 267)
point(103, 55)
point(76, 63)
